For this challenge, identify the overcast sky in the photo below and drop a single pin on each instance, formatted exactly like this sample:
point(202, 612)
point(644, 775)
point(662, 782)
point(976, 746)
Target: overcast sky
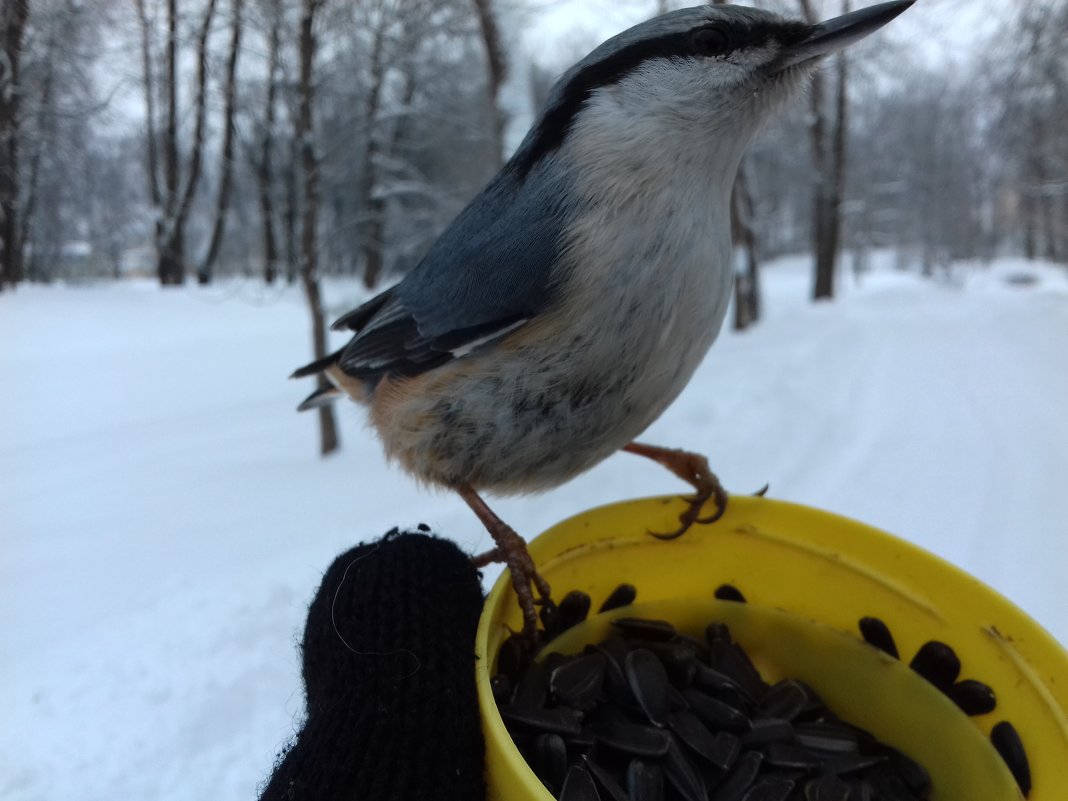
point(943, 30)
point(948, 34)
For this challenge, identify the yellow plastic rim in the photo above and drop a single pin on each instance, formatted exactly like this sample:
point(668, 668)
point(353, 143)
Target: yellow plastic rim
point(827, 572)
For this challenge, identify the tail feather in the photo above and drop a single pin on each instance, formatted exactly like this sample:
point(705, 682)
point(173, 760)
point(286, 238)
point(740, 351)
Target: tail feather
point(317, 366)
point(321, 397)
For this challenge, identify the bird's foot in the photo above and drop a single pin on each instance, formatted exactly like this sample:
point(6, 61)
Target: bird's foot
point(693, 468)
point(512, 551)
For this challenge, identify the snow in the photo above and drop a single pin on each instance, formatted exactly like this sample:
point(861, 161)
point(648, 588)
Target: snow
point(165, 517)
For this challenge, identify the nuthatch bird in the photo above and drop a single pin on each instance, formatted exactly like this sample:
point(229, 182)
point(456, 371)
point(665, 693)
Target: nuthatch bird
point(569, 304)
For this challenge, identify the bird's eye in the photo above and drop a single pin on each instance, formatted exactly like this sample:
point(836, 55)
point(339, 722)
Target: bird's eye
point(711, 41)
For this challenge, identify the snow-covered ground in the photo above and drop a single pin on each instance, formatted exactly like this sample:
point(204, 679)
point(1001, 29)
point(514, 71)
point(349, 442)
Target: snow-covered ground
point(164, 517)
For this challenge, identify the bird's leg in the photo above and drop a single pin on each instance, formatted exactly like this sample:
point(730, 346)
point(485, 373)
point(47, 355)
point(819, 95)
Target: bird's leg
point(691, 467)
point(512, 550)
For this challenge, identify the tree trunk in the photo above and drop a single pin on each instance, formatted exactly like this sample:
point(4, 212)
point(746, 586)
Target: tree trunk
point(328, 437)
point(12, 30)
point(743, 236)
point(222, 206)
point(170, 268)
point(172, 202)
point(264, 177)
point(496, 70)
point(371, 208)
point(828, 163)
point(289, 216)
point(42, 140)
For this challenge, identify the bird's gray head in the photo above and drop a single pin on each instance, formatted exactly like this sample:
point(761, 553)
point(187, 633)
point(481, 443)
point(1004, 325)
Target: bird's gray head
point(704, 77)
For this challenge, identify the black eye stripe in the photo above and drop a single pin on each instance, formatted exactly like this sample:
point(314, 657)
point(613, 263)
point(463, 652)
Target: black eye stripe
point(713, 40)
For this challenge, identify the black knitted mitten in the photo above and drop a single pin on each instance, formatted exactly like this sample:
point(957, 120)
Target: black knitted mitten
point(389, 678)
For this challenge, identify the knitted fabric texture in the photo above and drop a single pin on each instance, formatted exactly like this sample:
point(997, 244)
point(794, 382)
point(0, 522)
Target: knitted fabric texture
point(389, 678)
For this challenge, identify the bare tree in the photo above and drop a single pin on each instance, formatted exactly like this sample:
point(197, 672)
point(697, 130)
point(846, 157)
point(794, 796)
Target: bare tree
point(496, 69)
point(744, 239)
point(12, 29)
point(371, 203)
point(42, 140)
point(173, 200)
point(263, 167)
point(328, 436)
point(226, 154)
point(827, 133)
point(1033, 95)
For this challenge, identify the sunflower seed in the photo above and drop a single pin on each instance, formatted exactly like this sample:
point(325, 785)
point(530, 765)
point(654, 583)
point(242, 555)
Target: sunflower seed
point(973, 697)
point(716, 714)
point(852, 763)
point(768, 730)
point(785, 755)
point(876, 633)
point(831, 737)
point(606, 713)
point(682, 776)
point(888, 787)
point(610, 788)
point(699, 647)
point(632, 738)
point(555, 660)
point(814, 709)
point(578, 683)
point(774, 790)
point(1007, 742)
point(512, 658)
point(692, 733)
point(572, 610)
point(826, 788)
point(548, 616)
point(615, 652)
point(532, 689)
point(645, 781)
point(911, 772)
point(623, 595)
point(741, 777)
point(501, 687)
point(729, 659)
point(710, 679)
point(784, 700)
point(725, 750)
point(717, 631)
point(678, 659)
point(938, 663)
point(640, 628)
point(579, 786)
point(550, 721)
point(549, 760)
point(728, 592)
point(583, 741)
point(649, 682)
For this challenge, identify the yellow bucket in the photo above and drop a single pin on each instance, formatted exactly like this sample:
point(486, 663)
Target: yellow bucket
point(809, 577)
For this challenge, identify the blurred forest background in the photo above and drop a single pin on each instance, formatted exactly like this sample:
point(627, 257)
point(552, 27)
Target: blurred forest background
point(295, 139)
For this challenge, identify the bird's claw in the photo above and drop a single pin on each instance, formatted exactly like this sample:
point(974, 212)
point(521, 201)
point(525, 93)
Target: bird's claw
point(710, 488)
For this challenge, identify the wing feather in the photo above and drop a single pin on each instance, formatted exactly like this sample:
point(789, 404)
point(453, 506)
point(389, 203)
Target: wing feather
point(490, 272)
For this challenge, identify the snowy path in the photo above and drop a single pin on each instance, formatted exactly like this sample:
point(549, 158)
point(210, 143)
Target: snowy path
point(164, 518)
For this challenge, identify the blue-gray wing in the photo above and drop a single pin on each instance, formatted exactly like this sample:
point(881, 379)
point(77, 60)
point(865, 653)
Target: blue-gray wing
point(491, 271)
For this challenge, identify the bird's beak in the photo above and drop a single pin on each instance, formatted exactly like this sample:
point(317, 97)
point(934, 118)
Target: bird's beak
point(840, 32)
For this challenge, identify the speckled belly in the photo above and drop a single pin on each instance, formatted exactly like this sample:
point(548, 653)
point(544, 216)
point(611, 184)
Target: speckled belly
point(549, 402)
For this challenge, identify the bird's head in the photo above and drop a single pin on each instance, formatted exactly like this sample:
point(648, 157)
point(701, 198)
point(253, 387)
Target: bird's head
point(705, 78)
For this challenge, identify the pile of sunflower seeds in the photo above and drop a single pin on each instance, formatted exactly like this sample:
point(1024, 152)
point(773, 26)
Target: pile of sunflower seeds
point(651, 714)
